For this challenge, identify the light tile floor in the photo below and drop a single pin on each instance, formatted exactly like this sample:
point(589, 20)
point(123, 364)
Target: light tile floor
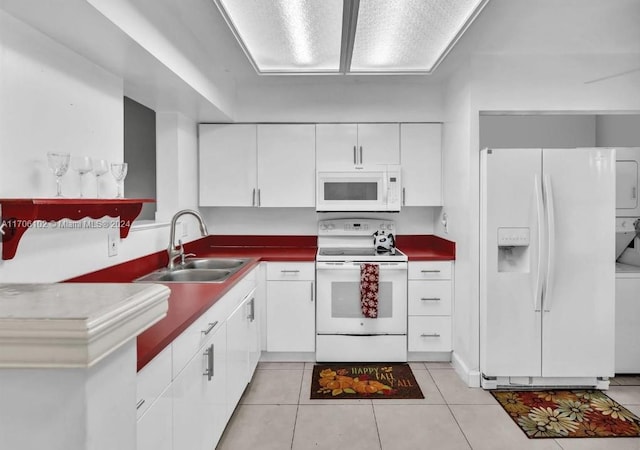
point(276, 413)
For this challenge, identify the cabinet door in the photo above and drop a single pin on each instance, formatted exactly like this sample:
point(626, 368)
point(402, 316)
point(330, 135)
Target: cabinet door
point(227, 164)
point(626, 186)
point(254, 333)
point(336, 144)
point(237, 354)
point(286, 165)
point(199, 397)
point(291, 316)
point(378, 143)
point(154, 429)
point(420, 149)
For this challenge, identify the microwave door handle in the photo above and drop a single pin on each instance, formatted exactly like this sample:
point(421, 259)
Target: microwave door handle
point(386, 187)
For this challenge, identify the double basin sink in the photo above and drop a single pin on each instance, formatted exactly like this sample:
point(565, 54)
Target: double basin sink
point(197, 270)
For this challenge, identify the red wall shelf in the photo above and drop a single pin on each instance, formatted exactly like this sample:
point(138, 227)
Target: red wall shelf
point(18, 214)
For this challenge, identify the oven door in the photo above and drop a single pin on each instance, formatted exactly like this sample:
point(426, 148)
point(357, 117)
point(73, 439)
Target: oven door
point(338, 299)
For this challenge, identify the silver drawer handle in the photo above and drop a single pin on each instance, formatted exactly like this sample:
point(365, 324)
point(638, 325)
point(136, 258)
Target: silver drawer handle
point(430, 335)
point(289, 271)
point(430, 299)
point(430, 271)
point(211, 327)
point(140, 403)
point(209, 371)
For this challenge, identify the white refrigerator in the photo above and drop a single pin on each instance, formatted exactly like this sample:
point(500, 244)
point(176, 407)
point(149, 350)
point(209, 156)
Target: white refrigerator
point(547, 267)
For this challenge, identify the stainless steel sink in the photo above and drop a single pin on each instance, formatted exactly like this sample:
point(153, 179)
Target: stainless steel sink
point(213, 263)
point(197, 270)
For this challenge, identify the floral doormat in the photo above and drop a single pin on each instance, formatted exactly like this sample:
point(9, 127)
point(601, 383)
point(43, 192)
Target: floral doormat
point(568, 414)
point(364, 381)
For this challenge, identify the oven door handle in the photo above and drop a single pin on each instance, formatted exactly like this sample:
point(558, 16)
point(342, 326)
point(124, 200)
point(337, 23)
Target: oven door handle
point(325, 265)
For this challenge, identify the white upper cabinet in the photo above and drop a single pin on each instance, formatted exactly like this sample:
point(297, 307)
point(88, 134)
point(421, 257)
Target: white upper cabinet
point(626, 185)
point(379, 143)
point(286, 165)
point(227, 165)
point(627, 181)
point(421, 158)
point(350, 144)
point(257, 165)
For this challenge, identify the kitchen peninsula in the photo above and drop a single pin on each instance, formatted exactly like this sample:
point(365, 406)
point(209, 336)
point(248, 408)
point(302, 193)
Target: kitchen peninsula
point(68, 363)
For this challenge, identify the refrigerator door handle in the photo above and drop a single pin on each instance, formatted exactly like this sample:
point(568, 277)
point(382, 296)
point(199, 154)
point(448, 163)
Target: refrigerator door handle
point(551, 243)
point(537, 186)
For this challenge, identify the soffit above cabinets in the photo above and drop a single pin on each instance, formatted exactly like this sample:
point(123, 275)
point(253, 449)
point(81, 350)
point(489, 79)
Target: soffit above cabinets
point(348, 36)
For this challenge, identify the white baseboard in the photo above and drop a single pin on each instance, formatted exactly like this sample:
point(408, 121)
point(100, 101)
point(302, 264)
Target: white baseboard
point(288, 356)
point(429, 356)
point(469, 376)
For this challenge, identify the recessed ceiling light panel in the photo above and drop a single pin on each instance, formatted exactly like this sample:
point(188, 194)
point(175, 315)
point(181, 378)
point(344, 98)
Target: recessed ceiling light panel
point(408, 35)
point(288, 35)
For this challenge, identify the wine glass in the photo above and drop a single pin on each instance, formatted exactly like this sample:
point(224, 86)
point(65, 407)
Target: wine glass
point(59, 164)
point(82, 165)
point(119, 171)
point(100, 167)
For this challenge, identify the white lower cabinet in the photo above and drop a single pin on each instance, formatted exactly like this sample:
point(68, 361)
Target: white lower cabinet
point(155, 430)
point(188, 392)
point(199, 396)
point(430, 305)
point(241, 332)
point(291, 307)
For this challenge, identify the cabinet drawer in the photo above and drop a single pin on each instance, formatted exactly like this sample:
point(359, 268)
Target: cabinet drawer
point(152, 379)
point(291, 271)
point(191, 339)
point(430, 270)
point(430, 298)
point(429, 334)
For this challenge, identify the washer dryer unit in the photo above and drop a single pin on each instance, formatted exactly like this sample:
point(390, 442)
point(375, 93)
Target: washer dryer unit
point(627, 357)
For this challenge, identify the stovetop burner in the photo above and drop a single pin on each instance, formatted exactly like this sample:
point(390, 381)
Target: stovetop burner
point(353, 240)
point(358, 251)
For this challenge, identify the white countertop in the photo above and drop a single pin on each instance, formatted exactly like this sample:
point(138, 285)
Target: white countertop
point(74, 324)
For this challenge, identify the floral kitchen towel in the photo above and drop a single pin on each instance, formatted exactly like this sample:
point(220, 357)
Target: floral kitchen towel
point(369, 278)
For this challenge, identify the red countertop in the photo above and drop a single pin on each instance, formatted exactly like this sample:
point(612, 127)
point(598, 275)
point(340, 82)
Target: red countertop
point(188, 301)
point(426, 247)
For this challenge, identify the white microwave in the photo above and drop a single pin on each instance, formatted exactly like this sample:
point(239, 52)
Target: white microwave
point(370, 189)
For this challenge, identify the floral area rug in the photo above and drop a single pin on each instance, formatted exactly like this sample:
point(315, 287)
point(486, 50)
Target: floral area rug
point(364, 381)
point(568, 414)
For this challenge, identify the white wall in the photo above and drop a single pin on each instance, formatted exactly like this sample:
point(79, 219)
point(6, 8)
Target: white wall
point(339, 99)
point(511, 83)
point(304, 221)
point(54, 99)
point(176, 163)
point(457, 194)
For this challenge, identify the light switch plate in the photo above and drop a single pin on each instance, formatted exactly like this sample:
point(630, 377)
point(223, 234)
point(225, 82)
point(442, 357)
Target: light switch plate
point(113, 239)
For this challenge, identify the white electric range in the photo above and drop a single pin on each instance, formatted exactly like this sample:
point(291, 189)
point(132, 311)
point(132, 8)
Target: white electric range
point(343, 333)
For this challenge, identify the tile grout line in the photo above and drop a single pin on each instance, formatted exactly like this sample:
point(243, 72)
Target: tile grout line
point(375, 421)
point(295, 421)
point(446, 402)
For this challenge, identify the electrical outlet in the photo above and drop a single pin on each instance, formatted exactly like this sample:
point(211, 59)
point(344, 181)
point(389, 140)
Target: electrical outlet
point(113, 239)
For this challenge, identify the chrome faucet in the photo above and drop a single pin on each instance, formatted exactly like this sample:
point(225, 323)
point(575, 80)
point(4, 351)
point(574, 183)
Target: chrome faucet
point(178, 251)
